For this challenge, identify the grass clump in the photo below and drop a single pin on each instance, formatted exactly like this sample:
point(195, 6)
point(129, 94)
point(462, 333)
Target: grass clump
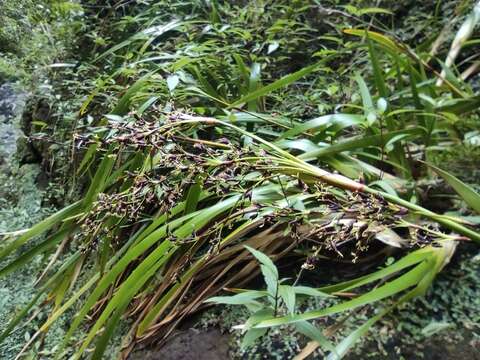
point(186, 149)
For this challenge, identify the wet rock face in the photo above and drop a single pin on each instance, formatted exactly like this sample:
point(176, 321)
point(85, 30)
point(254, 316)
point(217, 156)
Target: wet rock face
point(30, 149)
point(22, 204)
point(12, 103)
point(7, 100)
point(17, 118)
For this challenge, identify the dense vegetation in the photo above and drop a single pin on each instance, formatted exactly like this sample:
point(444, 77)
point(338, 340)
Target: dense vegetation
point(198, 144)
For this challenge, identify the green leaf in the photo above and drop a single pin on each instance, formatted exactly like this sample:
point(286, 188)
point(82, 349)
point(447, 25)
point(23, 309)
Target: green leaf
point(99, 180)
point(161, 254)
point(381, 39)
point(271, 279)
point(193, 196)
point(37, 249)
point(460, 106)
point(172, 82)
point(470, 196)
point(374, 10)
point(368, 107)
point(305, 290)
point(391, 288)
point(435, 327)
point(324, 122)
point(149, 33)
point(341, 349)
point(287, 293)
point(88, 157)
point(405, 262)
point(251, 336)
point(41, 227)
point(284, 81)
point(264, 260)
point(125, 101)
point(66, 265)
point(377, 71)
point(253, 85)
point(238, 299)
point(315, 334)
point(361, 142)
point(269, 271)
point(129, 288)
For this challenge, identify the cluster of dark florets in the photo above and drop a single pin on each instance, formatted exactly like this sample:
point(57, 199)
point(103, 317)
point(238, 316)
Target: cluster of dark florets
point(348, 224)
point(345, 224)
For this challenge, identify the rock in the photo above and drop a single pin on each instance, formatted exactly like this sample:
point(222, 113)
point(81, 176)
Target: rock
point(12, 102)
point(26, 152)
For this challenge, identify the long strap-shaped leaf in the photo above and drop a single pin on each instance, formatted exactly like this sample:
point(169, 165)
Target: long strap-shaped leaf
point(41, 227)
point(439, 257)
point(284, 81)
point(391, 288)
point(337, 180)
point(195, 221)
point(361, 142)
point(471, 197)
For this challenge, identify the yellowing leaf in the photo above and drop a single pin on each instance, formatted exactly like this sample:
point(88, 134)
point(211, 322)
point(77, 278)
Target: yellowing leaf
point(381, 39)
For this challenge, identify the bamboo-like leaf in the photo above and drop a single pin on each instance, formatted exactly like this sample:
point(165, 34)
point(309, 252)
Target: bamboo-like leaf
point(470, 196)
point(149, 33)
point(88, 157)
point(341, 349)
point(460, 106)
point(436, 261)
point(264, 260)
point(125, 101)
point(391, 288)
point(98, 182)
point(315, 334)
point(404, 263)
point(199, 219)
point(40, 292)
point(368, 107)
point(284, 81)
point(323, 122)
point(238, 299)
point(287, 293)
point(462, 35)
point(362, 142)
point(253, 334)
point(193, 196)
point(377, 72)
point(41, 227)
point(37, 249)
point(381, 39)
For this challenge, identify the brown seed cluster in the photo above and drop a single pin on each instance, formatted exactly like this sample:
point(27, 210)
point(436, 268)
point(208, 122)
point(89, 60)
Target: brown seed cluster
point(348, 225)
point(340, 222)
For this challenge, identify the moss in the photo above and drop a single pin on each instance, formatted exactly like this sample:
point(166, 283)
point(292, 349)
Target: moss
point(20, 207)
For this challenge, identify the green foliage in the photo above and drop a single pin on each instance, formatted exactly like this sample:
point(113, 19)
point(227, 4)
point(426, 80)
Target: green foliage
point(471, 197)
point(34, 34)
point(196, 143)
point(280, 298)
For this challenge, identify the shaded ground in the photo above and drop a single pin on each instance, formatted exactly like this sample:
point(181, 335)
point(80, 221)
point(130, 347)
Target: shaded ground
point(190, 345)
point(439, 349)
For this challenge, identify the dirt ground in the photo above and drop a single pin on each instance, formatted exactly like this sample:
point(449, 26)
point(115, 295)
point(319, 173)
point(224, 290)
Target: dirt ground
point(190, 345)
